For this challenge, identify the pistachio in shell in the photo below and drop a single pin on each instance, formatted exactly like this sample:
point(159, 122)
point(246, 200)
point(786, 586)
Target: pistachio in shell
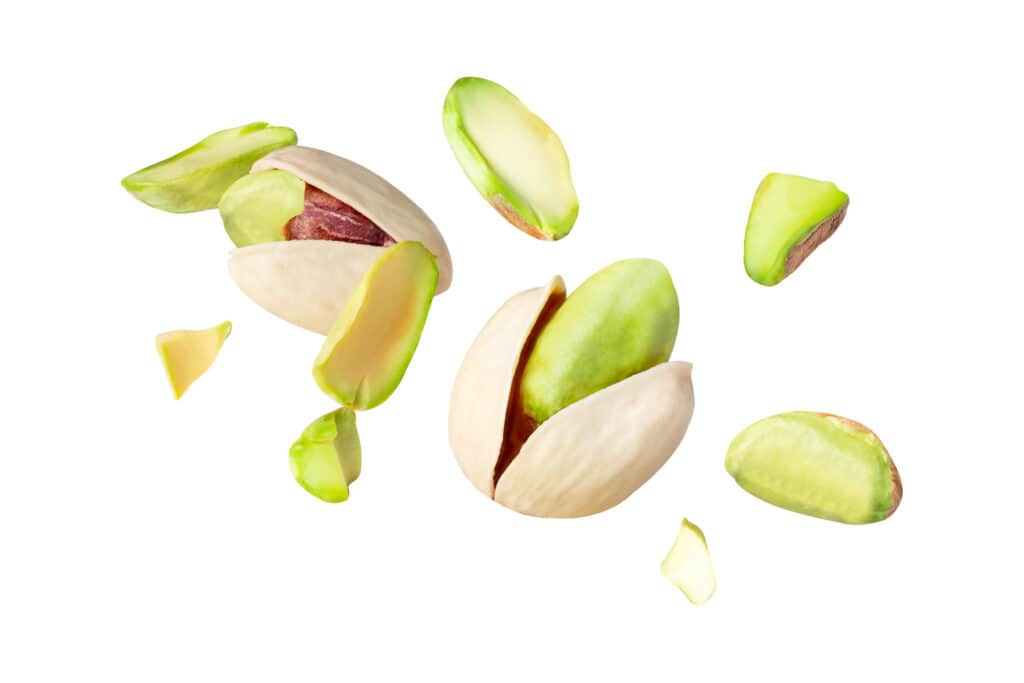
point(584, 458)
point(817, 464)
point(304, 266)
point(195, 179)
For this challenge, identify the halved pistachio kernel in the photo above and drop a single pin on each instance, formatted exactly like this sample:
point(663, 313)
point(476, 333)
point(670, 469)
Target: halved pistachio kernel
point(790, 217)
point(368, 349)
point(327, 458)
point(688, 564)
point(187, 354)
point(586, 457)
point(275, 205)
point(195, 179)
point(512, 157)
point(817, 464)
point(620, 321)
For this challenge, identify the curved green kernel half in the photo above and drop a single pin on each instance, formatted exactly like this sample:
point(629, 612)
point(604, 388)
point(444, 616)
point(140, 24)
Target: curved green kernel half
point(327, 458)
point(370, 345)
point(257, 207)
point(515, 161)
point(817, 464)
point(789, 218)
point(195, 179)
point(621, 321)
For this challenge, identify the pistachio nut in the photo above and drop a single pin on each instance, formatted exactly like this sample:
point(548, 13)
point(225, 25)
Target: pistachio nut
point(194, 179)
point(187, 354)
point(309, 225)
point(327, 458)
point(688, 564)
point(817, 464)
point(612, 410)
point(790, 217)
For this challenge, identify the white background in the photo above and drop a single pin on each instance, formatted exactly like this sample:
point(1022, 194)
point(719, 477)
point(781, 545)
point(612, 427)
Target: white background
point(149, 540)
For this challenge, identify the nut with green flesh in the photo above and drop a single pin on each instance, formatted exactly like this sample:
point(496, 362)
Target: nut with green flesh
point(688, 564)
point(619, 322)
point(309, 225)
point(371, 344)
point(790, 217)
point(195, 179)
point(512, 157)
point(187, 354)
point(327, 458)
point(597, 449)
point(817, 464)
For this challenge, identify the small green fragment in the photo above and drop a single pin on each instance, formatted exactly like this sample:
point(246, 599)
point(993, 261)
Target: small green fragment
point(327, 458)
point(817, 464)
point(789, 218)
point(195, 179)
point(515, 161)
point(620, 321)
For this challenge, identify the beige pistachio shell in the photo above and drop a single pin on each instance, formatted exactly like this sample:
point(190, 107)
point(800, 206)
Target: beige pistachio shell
point(306, 282)
point(368, 193)
point(592, 455)
point(480, 396)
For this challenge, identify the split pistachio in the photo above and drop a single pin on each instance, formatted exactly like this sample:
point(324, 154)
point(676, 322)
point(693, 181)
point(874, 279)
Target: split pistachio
point(611, 409)
point(515, 161)
point(688, 564)
point(817, 464)
point(195, 179)
point(309, 225)
point(327, 458)
point(369, 348)
point(790, 217)
point(187, 354)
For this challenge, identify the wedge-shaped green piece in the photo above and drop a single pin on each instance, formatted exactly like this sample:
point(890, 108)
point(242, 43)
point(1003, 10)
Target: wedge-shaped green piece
point(257, 207)
point(327, 458)
point(817, 464)
point(187, 354)
point(512, 157)
point(688, 564)
point(620, 321)
point(372, 342)
point(790, 217)
point(195, 179)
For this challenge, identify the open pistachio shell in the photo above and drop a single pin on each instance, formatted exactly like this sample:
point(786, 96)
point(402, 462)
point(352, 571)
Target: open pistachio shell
point(592, 455)
point(479, 404)
point(307, 282)
point(587, 457)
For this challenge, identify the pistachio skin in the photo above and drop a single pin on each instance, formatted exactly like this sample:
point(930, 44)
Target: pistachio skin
point(817, 464)
point(327, 458)
point(194, 179)
point(621, 321)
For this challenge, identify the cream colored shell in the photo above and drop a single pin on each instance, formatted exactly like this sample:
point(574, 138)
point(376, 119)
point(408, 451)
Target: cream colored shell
point(586, 458)
point(307, 282)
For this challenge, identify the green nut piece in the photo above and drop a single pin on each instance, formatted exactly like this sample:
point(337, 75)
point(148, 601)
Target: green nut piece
point(372, 342)
point(187, 354)
point(515, 161)
point(688, 564)
point(258, 207)
point(790, 217)
point(621, 321)
point(817, 464)
point(327, 458)
point(195, 179)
